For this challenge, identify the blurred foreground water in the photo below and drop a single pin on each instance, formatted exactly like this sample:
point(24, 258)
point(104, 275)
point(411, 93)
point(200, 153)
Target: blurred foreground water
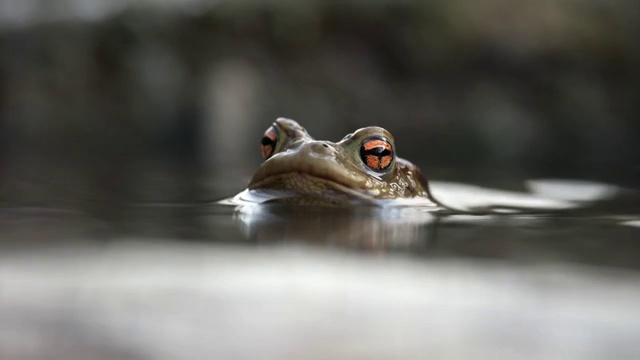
point(141, 298)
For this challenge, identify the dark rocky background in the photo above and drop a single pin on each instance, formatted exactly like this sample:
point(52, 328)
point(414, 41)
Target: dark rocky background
point(491, 89)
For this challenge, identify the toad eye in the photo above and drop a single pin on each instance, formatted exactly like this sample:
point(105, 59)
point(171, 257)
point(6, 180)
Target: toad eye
point(268, 142)
point(377, 154)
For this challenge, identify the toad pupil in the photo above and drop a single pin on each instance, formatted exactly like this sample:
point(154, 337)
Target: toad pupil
point(376, 154)
point(268, 143)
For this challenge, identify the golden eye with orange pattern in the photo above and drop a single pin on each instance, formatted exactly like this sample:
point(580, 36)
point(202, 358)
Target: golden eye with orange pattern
point(268, 142)
point(377, 154)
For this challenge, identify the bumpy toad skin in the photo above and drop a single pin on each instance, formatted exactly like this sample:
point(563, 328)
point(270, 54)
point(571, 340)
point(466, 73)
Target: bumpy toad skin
point(312, 171)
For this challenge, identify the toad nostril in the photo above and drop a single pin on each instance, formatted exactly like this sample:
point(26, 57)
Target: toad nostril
point(321, 148)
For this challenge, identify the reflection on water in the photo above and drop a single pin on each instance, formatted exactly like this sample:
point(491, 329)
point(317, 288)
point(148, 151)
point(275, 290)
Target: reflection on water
point(572, 237)
point(573, 221)
point(367, 227)
point(635, 223)
point(167, 279)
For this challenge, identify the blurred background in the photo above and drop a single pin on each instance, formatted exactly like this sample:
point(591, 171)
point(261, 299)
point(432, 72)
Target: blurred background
point(105, 92)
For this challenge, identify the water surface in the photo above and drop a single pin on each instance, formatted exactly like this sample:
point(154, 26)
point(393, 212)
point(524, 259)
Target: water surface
point(154, 270)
